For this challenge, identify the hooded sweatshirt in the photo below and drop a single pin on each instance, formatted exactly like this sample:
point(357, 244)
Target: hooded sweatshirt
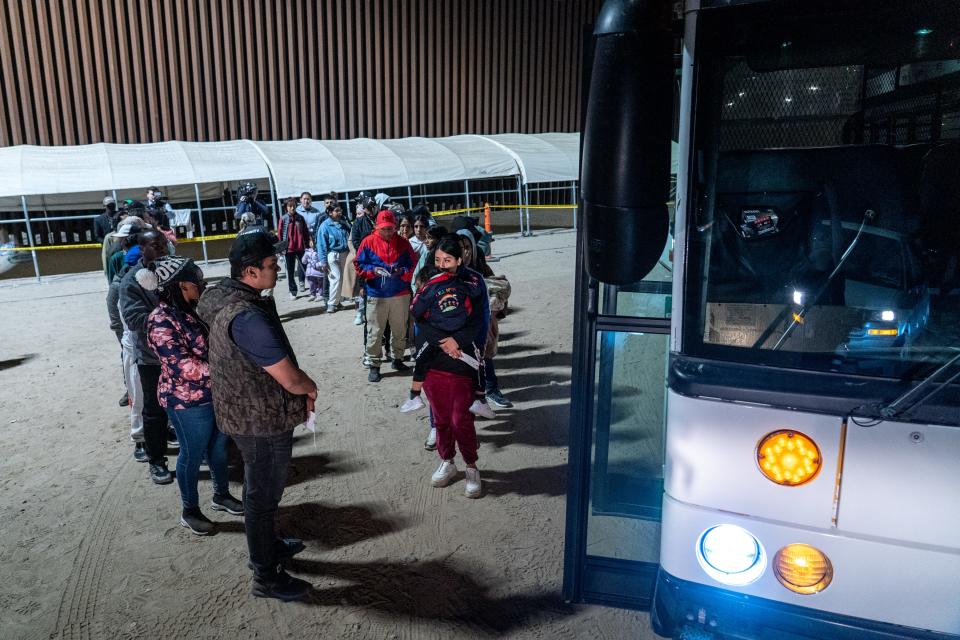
point(395, 256)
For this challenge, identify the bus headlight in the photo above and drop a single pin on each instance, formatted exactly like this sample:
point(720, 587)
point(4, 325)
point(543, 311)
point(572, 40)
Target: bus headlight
point(731, 555)
point(788, 457)
point(802, 568)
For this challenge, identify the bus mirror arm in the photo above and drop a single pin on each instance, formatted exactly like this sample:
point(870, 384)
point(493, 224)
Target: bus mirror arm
point(625, 168)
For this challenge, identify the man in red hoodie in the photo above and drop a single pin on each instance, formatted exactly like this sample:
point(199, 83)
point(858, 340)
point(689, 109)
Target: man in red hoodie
point(385, 263)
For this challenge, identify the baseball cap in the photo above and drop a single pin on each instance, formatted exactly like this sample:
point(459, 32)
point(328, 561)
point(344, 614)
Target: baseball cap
point(386, 219)
point(250, 248)
point(130, 226)
point(109, 200)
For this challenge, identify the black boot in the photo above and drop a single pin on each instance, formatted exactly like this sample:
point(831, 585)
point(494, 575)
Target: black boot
point(281, 586)
point(398, 365)
point(374, 375)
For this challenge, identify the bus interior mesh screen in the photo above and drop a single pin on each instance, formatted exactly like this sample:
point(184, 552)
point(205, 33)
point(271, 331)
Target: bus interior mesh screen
point(788, 108)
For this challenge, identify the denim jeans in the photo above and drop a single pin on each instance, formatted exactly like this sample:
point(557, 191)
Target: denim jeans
point(198, 435)
point(490, 375)
point(265, 461)
point(295, 271)
point(154, 416)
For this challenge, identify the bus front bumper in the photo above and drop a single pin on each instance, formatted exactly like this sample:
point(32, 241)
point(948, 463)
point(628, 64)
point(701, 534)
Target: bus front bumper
point(679, 603)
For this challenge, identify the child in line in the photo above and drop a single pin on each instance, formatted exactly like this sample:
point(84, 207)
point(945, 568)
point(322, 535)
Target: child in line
point(314, 271)
point(448, 300)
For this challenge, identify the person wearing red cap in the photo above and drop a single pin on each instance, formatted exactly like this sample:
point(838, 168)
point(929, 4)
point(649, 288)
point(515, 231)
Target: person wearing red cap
point(385, 263)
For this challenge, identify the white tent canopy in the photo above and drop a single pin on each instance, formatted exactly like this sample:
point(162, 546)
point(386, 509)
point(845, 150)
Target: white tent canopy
point(316, 166)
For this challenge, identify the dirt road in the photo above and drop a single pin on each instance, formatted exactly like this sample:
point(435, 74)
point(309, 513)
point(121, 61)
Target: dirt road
point(89, 548)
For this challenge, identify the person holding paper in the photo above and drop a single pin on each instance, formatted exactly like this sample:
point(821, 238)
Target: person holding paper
point(450, 314)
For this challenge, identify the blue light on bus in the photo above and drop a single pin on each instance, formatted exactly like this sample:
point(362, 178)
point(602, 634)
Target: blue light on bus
point(731, 555)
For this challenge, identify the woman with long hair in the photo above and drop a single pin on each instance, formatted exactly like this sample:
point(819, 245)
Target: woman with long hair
point(449, 312)
point(179, 338)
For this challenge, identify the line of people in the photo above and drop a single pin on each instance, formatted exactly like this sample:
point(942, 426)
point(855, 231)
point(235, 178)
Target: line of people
point(216, 363)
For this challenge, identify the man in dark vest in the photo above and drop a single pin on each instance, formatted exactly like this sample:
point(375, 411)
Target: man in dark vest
point(259, 394)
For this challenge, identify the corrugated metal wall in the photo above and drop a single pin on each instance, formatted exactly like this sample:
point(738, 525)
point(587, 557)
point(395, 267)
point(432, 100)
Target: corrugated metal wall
point(83, 71)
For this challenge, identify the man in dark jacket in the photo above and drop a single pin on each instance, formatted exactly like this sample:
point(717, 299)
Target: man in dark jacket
point(136, 303)
point(260, 395)
point(106, 222)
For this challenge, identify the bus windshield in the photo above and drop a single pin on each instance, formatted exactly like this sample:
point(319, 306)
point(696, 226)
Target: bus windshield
point(826, 231)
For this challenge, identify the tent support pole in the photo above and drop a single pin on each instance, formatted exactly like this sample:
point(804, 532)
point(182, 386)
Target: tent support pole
point(33, 252)
point(203, 231)
point(409, 197)
point(526, 207)
point(573, 196)
point(273, 202)
point(466, 193)
point(520, 205)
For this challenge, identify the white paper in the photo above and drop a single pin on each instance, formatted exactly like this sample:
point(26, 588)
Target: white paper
point(469, 360)
point(311, 423)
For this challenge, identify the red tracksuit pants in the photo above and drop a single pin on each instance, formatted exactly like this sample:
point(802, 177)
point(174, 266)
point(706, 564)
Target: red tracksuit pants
point(450, 398)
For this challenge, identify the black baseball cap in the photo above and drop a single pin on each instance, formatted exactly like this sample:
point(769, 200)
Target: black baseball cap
point(251, 248)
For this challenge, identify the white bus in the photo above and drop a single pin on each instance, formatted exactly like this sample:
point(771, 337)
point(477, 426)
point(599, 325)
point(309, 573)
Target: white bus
point(765, 417)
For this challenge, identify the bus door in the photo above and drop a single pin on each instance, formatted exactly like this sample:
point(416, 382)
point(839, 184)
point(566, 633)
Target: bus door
point(616, 451)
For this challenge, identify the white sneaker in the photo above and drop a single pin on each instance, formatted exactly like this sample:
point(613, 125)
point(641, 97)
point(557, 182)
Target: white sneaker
point(293, 296)
point(482, 409)
point(444, 474)
point(358, 319)
point(472, 487)
point(412, 404)
point(322, 300)
point(430, 444)
point(311, 298)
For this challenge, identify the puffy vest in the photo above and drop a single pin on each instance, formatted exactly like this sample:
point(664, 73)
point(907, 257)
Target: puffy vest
point(246, 399)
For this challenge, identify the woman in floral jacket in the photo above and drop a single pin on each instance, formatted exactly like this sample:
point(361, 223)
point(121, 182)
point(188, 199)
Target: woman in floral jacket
point(179, 338)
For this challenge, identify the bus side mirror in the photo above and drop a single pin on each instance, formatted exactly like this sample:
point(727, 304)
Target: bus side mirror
point(625, 168)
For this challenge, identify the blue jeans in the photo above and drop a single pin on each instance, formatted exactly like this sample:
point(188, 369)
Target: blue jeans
point(198, 435)
point(491, 382)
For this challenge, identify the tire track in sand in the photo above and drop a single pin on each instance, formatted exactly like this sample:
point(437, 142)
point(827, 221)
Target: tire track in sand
point(76, 617)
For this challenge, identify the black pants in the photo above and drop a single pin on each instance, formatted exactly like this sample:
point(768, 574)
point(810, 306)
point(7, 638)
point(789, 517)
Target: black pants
point(154, 416)
point(294, 274)
point(265, 462)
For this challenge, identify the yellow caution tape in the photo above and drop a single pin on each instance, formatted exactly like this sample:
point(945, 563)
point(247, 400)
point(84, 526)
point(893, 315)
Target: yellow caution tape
point(229, 236)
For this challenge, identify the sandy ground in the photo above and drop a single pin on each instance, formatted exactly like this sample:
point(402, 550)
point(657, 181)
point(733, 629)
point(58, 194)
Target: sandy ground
point(90, 548)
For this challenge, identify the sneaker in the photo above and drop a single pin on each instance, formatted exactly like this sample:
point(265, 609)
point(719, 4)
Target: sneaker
point(331, 309)
point(172, 437)
point(358, 318)
point(281, 586)
point(444, 474)
point(125, 401)
point(472, 487)
point(399, 365)
point(412, 404)
point(227, 503)
point(430, 444)
point(311, 298)
point(374, 375)
point(198, 523)
point(293, 296)
point(139, 452)
point(160, 474)
point(497, 399)
point(321, 301)
point(482, 409)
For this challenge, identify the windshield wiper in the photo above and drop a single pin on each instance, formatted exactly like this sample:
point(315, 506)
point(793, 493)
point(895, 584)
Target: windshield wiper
point(798, 316)
point(898, 406)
